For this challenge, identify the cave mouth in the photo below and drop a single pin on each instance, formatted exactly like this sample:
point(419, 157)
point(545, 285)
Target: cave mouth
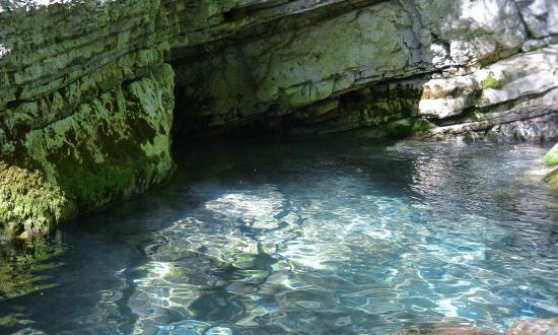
point(383, 111)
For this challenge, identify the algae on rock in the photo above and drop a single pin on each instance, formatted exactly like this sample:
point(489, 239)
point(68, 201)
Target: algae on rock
point(551, 159)
point(29, 204)
point(109, 148)
point(113, 146)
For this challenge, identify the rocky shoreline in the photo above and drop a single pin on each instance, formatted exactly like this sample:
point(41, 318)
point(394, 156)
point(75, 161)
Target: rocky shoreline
point(522, 327)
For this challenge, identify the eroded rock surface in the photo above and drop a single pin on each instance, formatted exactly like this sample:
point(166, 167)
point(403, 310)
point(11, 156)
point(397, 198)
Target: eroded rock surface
point(87, 100)
point(340, 67)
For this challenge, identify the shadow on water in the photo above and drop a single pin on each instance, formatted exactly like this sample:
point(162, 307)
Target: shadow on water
point(327, 236)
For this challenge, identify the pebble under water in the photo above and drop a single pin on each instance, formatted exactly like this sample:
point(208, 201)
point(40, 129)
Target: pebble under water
point(329, 236)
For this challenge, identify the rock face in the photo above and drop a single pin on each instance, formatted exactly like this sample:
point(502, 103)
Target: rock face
point(340, 65)
point(88, 88)
point(87, 101)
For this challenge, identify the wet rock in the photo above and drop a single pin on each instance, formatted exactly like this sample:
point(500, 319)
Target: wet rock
point(445, 329)
point(528, 123)
point(112, 146)
point(534, 327)
point(504, 82)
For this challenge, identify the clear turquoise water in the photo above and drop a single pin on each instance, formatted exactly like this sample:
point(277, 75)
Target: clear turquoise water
point(330, 236)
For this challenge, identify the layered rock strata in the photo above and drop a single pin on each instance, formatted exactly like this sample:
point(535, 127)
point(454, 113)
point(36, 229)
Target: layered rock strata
point(342, 65)
point(86, 102)
point(88, 88)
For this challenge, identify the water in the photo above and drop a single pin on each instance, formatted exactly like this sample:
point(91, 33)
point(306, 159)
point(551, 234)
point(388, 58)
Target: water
point(330, 236)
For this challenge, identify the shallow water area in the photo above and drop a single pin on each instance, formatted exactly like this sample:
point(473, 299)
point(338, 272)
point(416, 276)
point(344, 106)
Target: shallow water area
point(328, 236)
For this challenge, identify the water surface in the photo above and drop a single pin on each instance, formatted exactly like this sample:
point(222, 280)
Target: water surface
point(329, 236)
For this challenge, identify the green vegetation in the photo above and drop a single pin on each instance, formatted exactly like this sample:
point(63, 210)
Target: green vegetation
point(551, 158)
point(406, 128)
point(112, 147)
point(492, 83)
point(552, 179)
point(399, 129)
point(30, 205)
point(421, 126)
point(94, 183)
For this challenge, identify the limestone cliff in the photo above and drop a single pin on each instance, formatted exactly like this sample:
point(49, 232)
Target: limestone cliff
point(88, 88)
point(335, 65)
point(87, 101)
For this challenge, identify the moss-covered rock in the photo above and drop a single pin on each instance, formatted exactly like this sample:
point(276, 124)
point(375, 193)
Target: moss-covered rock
point(551, 158)
point(29, 204)
point(86, 103)
point(108, 148)
point(113, 146)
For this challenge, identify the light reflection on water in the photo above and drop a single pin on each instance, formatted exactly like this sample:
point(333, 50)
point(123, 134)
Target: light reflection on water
point(324, 237)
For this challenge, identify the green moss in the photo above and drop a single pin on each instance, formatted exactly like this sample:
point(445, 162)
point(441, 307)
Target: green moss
point(552, 179)
point(30, 205)
point(492, 83)
point(109, 148)
point(551, 158)
point(399, 129)
point(94, 183)
point(421, 126)
point(406, 128)
point(112, 147)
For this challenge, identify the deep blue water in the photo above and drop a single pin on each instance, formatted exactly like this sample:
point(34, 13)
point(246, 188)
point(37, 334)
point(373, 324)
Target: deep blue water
point(329, 236)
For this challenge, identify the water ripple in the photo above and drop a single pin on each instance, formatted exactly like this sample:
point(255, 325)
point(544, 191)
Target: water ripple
point(324, 239)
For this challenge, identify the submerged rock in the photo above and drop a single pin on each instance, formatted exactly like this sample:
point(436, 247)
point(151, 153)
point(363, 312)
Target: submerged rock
point(534, 327)
point(521, 327)
point(446, 329)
